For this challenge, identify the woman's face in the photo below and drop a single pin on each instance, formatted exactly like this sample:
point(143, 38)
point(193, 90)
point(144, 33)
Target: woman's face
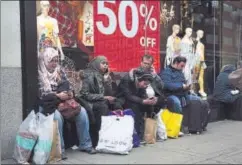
point(51, 66)
point(104, 66)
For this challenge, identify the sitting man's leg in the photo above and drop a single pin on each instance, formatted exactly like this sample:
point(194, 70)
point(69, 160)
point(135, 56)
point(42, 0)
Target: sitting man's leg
point(174, 104)
point(82, 126)
point(138, 120)
point(192, 97)
point(100, 109)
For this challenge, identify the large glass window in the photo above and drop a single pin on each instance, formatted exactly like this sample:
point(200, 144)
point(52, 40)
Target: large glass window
point(220, 22)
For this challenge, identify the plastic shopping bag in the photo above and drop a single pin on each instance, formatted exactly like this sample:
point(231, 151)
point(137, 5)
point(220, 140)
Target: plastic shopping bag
point(26, 139)
point(161, 128)
point(116, 134)
point(44, 143)
point(136, 139)
point(172, 122)
point(55, 154)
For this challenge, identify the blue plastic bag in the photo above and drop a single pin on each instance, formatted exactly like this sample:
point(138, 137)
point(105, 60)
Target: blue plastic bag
point(136, 139)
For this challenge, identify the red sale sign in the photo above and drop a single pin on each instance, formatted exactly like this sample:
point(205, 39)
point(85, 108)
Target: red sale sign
point(125, 30)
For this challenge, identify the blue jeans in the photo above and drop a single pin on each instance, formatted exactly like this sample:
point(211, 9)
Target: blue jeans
point(176, 105)
point(82, 126)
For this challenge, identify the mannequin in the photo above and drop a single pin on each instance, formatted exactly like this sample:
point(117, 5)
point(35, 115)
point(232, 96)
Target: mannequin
point(200, 65)
point(47, 29)
point(173, 45)
point(85, 25)
point(188, 51)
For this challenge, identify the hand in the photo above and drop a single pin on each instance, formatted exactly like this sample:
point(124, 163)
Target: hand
point(70, 94)
point(149, 101)
point(62, 95)
point(110, 98)
point(186, 87)
point(155, 99)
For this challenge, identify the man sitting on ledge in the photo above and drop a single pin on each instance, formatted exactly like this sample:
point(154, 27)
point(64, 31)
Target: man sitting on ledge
point(175, 87)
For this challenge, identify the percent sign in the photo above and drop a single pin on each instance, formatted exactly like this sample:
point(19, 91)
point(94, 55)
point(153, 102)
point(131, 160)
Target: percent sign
point(144, 12)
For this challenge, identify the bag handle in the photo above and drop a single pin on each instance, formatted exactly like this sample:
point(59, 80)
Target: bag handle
point(117, 114)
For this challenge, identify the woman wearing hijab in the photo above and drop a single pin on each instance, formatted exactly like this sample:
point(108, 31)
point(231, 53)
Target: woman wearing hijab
point(93, 92)
point(51, 79)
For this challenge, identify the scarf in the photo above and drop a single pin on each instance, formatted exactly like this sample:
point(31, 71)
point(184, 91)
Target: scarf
point(47, 79)
point(95, 63)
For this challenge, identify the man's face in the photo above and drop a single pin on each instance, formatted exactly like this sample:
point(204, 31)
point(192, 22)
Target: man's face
point(180, 66)
point(143, 84)
point(146, 63)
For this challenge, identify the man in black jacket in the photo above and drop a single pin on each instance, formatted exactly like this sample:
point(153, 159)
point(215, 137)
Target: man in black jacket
point(133, 89)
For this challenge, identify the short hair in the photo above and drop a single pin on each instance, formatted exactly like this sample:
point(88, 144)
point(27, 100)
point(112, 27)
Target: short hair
point(179, 59)
point(147, 56)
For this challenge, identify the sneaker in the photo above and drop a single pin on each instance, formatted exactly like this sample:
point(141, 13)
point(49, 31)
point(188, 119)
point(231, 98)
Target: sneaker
point(90, 151)
point(180, 134)
point(64, 156)
point(143, 142)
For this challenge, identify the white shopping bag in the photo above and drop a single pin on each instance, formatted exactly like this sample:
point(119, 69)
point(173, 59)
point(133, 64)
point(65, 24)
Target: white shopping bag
point(116, 134)
point(44, 143)
point(161, 128)
point(26, 139)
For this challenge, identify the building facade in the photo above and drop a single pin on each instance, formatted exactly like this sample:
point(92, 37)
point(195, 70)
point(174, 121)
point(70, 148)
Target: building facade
point(221, 22)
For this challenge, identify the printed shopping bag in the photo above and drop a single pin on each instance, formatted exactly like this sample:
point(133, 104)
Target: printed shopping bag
point(44, 143)
point(116, 134)
point(26, 139)
point(136, 139)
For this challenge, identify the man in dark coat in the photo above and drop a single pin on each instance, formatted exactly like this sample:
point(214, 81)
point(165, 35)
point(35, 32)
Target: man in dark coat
point(132, 89)
point(223, 90)
point(175, 86)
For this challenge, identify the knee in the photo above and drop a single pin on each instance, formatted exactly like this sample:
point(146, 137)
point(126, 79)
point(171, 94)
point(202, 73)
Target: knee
point(59, 118)
point(82, 115)
point(173, 101)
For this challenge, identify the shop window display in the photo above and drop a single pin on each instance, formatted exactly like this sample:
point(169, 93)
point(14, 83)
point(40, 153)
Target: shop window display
point(215, 39)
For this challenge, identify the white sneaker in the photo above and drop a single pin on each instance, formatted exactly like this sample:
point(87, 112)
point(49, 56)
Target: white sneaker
point(203, 94)
point(180, 134)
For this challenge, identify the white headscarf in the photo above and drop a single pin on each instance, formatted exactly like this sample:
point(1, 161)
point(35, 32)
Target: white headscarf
point(46, 78)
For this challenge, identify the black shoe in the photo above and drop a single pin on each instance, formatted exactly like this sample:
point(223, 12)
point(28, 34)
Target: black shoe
point(143, 142)
point(205, 129)
point(63, 156)
point(90, 151)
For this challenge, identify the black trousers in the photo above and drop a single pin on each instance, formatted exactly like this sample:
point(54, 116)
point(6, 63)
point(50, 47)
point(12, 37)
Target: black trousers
point(140, 112)
point(100, 108)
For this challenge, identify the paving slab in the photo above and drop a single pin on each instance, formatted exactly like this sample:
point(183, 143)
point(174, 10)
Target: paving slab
point(221, 144)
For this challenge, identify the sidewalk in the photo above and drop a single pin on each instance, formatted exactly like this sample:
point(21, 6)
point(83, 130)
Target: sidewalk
point(221, 144)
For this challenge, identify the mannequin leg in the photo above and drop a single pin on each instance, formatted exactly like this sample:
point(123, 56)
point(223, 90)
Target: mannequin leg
point(201, 83)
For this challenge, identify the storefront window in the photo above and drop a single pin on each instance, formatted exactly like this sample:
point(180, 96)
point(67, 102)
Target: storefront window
point(124, 30)
point(220, 22)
